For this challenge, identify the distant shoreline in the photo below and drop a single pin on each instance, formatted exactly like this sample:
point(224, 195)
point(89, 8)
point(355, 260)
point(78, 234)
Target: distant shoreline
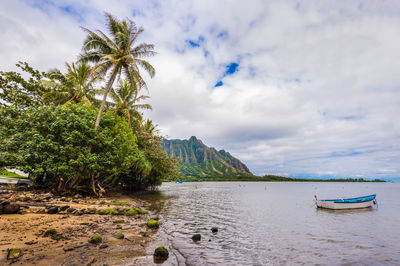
point(273, 178)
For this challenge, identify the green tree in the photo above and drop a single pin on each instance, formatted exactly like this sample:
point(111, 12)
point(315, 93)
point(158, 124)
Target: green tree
point(18, 92)
point(117, 54)
point(125, 99)
point(51, 144)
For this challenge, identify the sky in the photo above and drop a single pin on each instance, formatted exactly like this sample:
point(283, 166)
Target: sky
point(293, 88)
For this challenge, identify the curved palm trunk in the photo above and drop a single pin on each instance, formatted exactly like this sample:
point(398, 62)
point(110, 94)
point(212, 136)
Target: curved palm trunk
point(108, 88)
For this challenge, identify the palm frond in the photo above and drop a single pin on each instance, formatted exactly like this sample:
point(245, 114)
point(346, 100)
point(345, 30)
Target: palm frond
point(143, 50)
point(147, 66)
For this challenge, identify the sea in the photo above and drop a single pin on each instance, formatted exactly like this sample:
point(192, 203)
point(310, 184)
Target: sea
point(275, 223)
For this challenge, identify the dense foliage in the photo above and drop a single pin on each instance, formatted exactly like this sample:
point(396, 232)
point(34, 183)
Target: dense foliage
point(50, 124)
point(59, 147)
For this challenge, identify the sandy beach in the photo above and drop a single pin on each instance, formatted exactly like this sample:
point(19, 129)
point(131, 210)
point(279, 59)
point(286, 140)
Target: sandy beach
point(74, 224)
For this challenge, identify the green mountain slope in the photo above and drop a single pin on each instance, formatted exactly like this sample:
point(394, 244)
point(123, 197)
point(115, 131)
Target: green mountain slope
point(199, 161)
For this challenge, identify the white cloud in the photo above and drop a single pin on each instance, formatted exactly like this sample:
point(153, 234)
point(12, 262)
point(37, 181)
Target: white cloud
point(316, 92)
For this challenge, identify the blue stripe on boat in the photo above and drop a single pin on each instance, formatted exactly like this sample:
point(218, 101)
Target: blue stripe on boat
point(353, 200)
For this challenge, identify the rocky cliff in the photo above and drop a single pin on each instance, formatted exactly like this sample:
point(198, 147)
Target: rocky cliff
point(198, 160)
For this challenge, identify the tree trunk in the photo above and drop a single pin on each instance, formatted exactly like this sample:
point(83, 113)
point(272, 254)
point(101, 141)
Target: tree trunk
point(108, 88)
point(94, 186)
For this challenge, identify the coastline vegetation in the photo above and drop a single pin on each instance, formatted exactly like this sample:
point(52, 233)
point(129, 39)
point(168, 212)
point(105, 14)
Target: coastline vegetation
point(54, 128)
point(272, 178)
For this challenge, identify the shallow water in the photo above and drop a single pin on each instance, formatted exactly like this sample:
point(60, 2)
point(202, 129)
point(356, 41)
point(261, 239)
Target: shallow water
point(276, 224)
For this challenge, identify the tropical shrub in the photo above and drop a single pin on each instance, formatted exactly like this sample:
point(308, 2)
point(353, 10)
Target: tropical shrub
point(59, 147)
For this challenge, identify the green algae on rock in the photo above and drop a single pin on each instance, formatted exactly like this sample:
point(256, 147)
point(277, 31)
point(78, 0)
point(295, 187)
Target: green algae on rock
point(152, 223)
point(95, 239)
point(14, 253)
point(119, 236)
point(161, 252)
point(196, 237)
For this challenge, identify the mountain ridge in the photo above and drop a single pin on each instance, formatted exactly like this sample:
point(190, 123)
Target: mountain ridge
point(200, 161)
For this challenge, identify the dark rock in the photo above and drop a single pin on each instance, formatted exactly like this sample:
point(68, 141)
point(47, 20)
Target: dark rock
point(63, 208)
point(103, 246)
point(30, 243)
point(52, 210)
point(68, 249)
point(196, 237)
point(214, 229)
point(9, 207)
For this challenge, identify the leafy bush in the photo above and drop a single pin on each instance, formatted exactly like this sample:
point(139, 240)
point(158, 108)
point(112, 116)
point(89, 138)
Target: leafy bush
point(59, 147)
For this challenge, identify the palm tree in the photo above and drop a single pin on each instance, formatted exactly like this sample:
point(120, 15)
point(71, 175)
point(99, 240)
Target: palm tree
point(117, 54)
point(149, 127)
point(125, 100)
point(76, 85)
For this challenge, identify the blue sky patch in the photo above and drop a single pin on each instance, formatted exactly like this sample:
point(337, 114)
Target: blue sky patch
point(219, 84)
point(193, 43)
point(231, 68)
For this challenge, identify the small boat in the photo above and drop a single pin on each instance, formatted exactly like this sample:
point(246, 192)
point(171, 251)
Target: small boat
point(179, 182)
point(345, 204)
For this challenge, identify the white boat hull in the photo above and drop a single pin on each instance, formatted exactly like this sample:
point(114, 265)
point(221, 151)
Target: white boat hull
point(343, 206)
